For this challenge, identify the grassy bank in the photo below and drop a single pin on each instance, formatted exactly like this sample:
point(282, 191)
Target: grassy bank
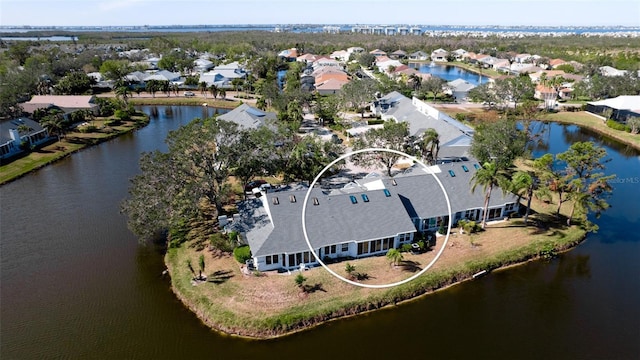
point(192, 101)
point(72, 141)
point(269, 304)
point(596, 124)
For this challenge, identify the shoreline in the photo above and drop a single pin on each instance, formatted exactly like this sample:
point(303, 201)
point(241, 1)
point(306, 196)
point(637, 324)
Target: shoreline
point(229, 324)
point(90, 142)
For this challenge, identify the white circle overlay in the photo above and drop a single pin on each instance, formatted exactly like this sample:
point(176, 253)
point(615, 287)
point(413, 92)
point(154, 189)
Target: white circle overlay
point(374, 286)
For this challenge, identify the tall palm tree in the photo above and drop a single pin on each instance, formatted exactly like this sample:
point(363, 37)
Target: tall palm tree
point(214, 90)
point(431, 141)
point(522, 184)
point(123, 92)
point(203, 88)
point(54, 123)
point(488, 176)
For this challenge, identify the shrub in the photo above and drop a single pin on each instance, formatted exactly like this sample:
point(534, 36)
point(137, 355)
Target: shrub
point(242, 253)
point(617, 126)
point(221, 242)
point(375, 122)
point(405, 247)
point(300, 279)
point(122, 115)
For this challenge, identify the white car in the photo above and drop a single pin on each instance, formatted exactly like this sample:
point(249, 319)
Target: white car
point(189, 94)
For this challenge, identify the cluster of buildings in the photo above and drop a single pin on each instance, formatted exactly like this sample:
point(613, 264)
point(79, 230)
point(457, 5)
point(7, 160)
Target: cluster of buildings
point(371, 214)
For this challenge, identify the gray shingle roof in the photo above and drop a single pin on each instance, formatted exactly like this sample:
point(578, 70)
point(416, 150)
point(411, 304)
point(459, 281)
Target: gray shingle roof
point(248, 117)
point(334, 220)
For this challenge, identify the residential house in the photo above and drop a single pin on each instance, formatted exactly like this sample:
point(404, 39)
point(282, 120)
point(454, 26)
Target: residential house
point(621, 107)
point(329, 86)
point(546, 74)
point(554, 63)
point(15, 134)
point(455, 137)
point(546, 93)
point(565, 93)
point(289, 54)
point(248, 117)
point(439, 55)
point(366, 217)
point(398, 54)
point(523, 58)
point(307, 58)
point(340, 55)
point(460, 54)
point(459, 89)
point(419, 56)
point(66, 103)
point(165, 75)
point(611, 71)
point(383, 64)
point(377, 53)
point(202, 65)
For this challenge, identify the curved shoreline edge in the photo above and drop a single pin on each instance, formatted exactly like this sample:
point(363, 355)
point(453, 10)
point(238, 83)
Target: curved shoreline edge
point(427, 284)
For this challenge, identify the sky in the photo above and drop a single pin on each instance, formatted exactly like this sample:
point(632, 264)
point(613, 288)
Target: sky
point(234, 12)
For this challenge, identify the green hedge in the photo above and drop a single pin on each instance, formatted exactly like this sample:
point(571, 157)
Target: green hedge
point(242, 253)
point(618, 126)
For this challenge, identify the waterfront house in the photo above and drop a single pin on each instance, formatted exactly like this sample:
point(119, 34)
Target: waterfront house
point(460, 54)
point(66, 103)
point(398, 54)
point(365, 217)
point(17, 135)
point(439, 55)
point(459, 89)
point(419, 56)
point(621, 107)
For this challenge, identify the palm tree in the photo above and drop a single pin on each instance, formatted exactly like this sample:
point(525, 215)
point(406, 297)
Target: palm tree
point(214, 90)
point(223, 93)
point(190, 266)
point(203, 88)
point(395, 256)
point(54, 123)
point(123, 92)
point(431, 140)
point(522, 184)
point(201, 265)
point(488, 177)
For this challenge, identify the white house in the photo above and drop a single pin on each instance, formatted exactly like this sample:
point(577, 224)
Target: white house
point(16, 133)
point(439, 55)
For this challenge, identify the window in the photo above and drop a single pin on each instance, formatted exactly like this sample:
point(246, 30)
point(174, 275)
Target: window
point(476, 166)
point(386, 193)
point(272, 259)
point(494, 213)
point(465, 168)
point(353, 199)
point(452, 173)
point(363, 248)
point(365, 198)
point(345, 247)
point(330, 249)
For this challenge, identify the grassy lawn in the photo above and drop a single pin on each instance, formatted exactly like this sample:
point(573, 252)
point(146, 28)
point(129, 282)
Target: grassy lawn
point(270, 304)
point(194, 101)
point(71, 142)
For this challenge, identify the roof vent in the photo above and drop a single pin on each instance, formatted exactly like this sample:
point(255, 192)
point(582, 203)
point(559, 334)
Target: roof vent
point(292, 198)
point(315, 201)
point(393, 182)
point(275, 200)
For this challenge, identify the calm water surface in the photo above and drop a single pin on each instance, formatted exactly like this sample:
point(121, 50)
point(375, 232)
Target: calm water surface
point(75, 283)
point(450, 73)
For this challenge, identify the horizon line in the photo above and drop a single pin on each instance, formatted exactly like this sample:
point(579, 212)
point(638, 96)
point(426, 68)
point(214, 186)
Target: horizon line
point(318, 24)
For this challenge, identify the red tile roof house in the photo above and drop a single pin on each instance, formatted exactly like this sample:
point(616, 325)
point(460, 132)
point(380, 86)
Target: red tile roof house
point(377, 52)
point(548, 94)
point(67, 103)
point(554, 63)
point(330, 86)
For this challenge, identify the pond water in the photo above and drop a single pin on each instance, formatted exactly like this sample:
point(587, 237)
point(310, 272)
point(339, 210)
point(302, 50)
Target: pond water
point(450, 73)
point(76, 284)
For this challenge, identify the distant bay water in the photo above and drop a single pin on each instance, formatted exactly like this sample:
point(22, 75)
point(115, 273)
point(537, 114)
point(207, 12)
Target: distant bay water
point(318, 28)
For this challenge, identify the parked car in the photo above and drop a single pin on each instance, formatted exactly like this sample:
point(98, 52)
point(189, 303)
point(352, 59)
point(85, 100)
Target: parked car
point(254, 184)
point(189, 94)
